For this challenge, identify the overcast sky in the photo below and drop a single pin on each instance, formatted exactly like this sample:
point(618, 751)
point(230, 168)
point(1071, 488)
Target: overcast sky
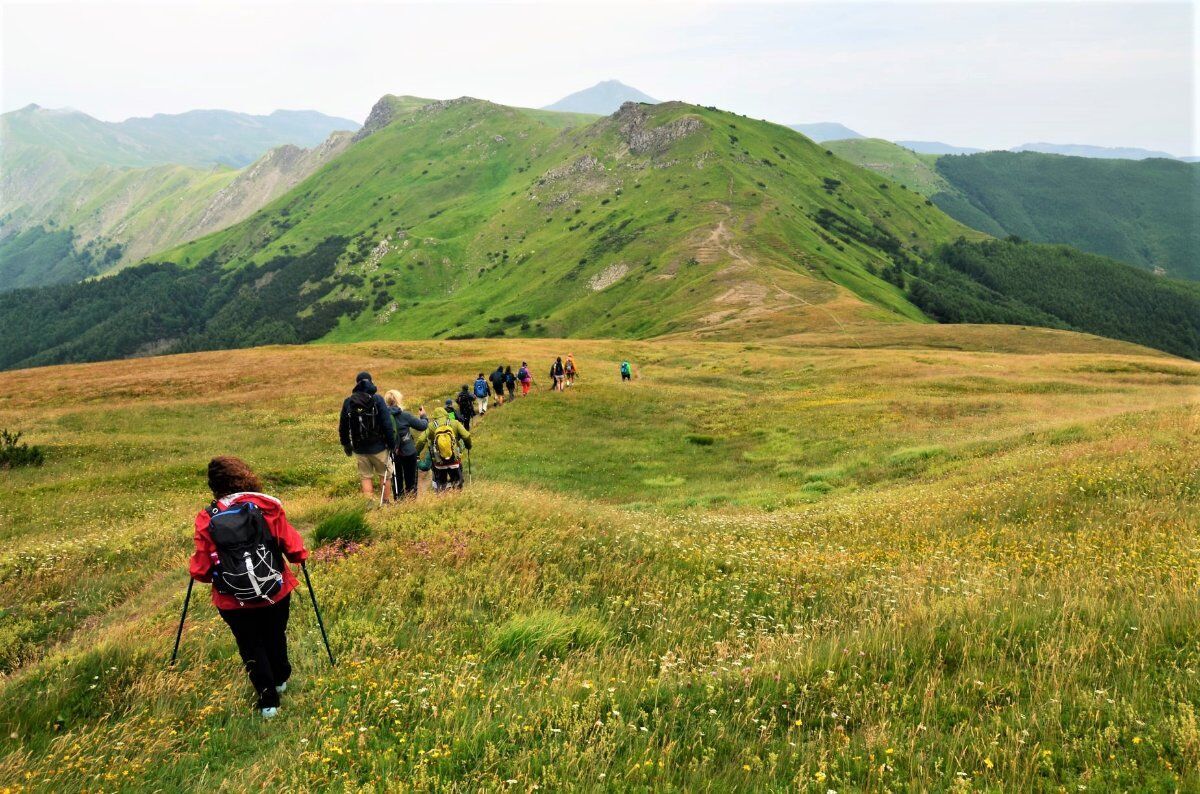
point(979, 74)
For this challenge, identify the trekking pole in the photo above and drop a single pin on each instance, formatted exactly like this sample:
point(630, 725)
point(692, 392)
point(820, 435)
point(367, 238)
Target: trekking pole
point(389, 476)
point(320, 623)
point(179, 633)
point(469, 472)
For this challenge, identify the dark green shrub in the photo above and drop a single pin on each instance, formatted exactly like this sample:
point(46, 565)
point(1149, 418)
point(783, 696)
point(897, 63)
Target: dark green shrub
point(13, 453)
point(350, 525)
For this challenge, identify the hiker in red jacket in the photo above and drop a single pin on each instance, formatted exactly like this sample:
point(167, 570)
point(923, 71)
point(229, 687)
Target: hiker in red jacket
point(241, 540)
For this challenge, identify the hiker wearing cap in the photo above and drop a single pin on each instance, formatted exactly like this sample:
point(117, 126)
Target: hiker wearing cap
point(252, 597)
point(497, 379)
point(445, 438)
point(404, 454)
point(510, 382)
point(526, 378)
point(366, 432)
point(466, 406)
point(482, 392)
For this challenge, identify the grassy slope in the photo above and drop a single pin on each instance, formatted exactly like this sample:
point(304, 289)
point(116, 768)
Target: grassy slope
point(111, 184)
point(898, 164)
point(484, 218)
point(966, 568)
point(1141, 212)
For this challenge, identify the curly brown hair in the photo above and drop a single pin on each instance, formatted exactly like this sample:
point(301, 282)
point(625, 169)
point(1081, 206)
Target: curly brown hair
point(227, 474)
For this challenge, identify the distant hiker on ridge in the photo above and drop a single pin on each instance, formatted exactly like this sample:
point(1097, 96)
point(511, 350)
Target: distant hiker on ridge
point(526, 378)
point(482, 392)
point(557, 373)
point(510, 382)
point(466, 406)
point(497, 379)
point(366, 431)
point(570, 370)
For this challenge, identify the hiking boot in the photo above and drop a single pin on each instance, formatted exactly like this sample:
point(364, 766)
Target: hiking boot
point(270, 712)
point(268, 700)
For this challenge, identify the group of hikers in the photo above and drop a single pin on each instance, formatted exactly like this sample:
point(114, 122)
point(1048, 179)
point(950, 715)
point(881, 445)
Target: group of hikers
point(244, 542)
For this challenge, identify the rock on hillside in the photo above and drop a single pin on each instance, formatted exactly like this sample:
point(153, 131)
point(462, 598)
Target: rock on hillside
point(389, 108)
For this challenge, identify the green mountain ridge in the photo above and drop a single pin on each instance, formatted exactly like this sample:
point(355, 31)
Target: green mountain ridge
point(112, 217)
point(463, 219)
point(1140, 212)
point(140, 185)
point(582, 228)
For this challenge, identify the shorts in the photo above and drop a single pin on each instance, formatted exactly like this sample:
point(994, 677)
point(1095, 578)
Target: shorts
point(372, 465)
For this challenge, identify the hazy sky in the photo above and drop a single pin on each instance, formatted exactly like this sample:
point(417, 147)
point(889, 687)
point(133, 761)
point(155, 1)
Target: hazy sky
point(980, 74)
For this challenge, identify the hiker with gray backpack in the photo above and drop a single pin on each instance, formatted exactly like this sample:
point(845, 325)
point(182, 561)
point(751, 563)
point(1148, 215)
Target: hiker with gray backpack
point(366, 431)
point(404, 455)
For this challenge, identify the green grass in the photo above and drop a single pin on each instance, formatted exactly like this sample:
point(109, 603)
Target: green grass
point(958, 578)
point(480, 202)
point(347, 525)
point(896, 163)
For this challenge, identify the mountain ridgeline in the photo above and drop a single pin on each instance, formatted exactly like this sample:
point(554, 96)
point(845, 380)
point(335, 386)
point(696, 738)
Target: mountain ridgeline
point(80, 197)
point(1140, 212)
point(463, 218)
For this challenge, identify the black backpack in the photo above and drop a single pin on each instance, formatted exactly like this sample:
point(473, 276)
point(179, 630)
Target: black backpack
point(365, 423)
point(249, 564)
point(466, 404)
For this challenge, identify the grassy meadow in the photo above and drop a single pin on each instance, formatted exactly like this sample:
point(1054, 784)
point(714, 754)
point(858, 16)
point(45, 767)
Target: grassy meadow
point(902, 557)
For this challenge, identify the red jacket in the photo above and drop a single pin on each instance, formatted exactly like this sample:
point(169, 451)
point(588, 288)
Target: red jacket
point(290, 543)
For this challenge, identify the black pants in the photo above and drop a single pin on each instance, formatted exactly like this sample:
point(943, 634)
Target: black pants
point(404, 484)
point(261, 634)
point(466, 422)
point(512, 390)
point(625, 376)
point(447, 478)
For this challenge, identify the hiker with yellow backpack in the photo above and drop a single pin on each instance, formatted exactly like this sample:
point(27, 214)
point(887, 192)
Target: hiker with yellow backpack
point(446, 438)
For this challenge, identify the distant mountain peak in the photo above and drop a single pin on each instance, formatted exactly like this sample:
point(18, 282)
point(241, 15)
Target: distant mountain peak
point(821, 131)
point(602, 99)
point(1100, 152)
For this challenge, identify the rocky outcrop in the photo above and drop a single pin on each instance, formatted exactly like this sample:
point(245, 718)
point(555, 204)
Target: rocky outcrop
point(391, 107)
point(632, 121)
point(584, 165)
point(382, 114)
point(607, 277)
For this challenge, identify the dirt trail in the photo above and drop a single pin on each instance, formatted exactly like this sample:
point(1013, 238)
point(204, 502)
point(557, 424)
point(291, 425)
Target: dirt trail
point(717, 243)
